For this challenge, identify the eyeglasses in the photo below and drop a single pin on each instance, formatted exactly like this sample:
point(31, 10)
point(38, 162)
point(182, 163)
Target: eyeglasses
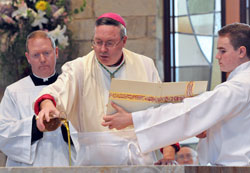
point(187, 156)
point(108, 44)
point(45, 54)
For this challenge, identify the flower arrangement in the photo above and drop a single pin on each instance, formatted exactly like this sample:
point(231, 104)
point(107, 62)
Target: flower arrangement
point(18, 18)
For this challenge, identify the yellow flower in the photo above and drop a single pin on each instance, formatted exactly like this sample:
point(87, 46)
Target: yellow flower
point(41, 5)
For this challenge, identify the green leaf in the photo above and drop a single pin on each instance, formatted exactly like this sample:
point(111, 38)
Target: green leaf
point(76, 11)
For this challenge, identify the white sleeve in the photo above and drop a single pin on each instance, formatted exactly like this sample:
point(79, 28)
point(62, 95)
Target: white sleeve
point(15, 132)
point(170, 123)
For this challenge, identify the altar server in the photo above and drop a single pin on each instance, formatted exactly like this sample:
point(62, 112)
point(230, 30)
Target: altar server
point(20, 139)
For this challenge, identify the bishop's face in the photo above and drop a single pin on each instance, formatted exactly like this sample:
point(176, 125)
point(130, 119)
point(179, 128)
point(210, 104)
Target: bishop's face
point(41, 56)
point(108, 44)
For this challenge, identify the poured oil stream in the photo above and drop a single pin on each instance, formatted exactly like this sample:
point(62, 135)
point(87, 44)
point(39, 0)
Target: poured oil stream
point(65, 122)
point(53, 124)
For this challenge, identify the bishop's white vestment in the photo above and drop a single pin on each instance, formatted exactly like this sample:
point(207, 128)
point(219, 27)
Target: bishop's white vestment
point(82, 92)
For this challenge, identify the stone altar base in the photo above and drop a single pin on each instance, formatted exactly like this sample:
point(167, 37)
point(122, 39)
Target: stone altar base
point(125, 169)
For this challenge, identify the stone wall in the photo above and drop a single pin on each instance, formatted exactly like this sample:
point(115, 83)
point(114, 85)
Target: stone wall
point(140, 16)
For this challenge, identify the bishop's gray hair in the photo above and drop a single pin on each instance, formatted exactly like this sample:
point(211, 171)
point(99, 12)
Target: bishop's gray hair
point(109, 21)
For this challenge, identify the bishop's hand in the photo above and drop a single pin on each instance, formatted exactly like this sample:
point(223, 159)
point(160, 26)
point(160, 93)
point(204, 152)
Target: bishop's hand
point(119, 120)
point(202, 135)
point(48, 118)
point(166, 162)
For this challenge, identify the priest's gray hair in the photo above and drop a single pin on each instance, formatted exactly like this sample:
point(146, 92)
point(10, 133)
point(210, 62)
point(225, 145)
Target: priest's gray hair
point(40, 34)
point(109, 21)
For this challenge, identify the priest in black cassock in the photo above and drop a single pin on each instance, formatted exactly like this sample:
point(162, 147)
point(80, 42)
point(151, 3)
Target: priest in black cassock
point(20, 138)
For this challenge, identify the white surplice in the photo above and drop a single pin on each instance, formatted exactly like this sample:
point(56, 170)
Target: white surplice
point(82, 91)
point(16, 115)
point(223, 112)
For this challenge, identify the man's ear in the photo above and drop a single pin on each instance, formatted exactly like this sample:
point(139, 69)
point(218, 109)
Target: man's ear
point(243, 51)
point(57, 52)
point(27, 57)
point(124, 40)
